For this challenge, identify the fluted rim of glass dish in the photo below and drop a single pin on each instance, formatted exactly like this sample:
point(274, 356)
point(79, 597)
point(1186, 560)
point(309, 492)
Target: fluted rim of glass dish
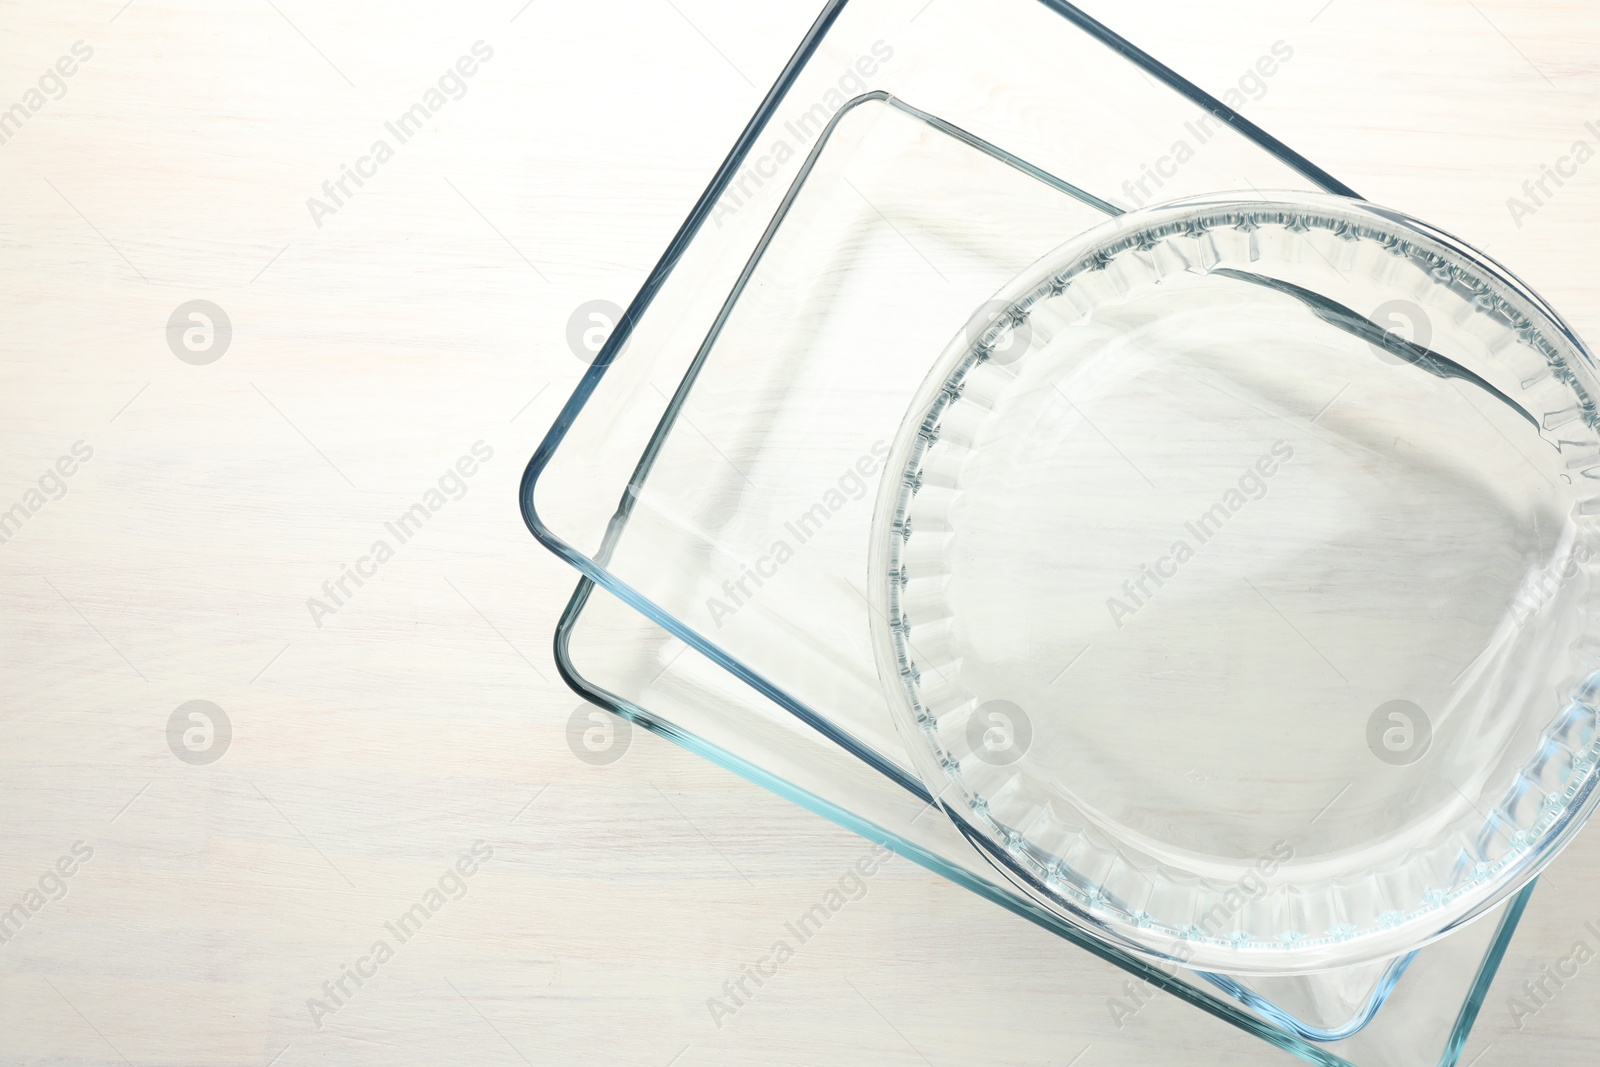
point(1071, 895)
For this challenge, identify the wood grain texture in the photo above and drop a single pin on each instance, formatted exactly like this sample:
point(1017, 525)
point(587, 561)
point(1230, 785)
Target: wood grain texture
point(371, 349)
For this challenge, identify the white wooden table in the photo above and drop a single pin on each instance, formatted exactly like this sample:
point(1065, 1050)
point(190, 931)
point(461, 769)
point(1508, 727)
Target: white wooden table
point(215, 910)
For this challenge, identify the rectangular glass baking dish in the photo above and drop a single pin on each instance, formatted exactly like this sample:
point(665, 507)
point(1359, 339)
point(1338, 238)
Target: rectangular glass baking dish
point(880, 151)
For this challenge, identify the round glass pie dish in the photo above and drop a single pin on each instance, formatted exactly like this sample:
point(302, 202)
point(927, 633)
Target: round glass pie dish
point(1233, 577)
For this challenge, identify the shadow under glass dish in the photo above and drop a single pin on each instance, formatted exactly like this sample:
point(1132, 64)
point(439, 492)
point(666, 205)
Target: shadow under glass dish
point(1233, 575)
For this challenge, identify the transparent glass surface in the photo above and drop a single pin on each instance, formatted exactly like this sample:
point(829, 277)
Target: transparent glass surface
point(714, 470)
point(1417, 1016)
point(922, 224)
point(1234, 624)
